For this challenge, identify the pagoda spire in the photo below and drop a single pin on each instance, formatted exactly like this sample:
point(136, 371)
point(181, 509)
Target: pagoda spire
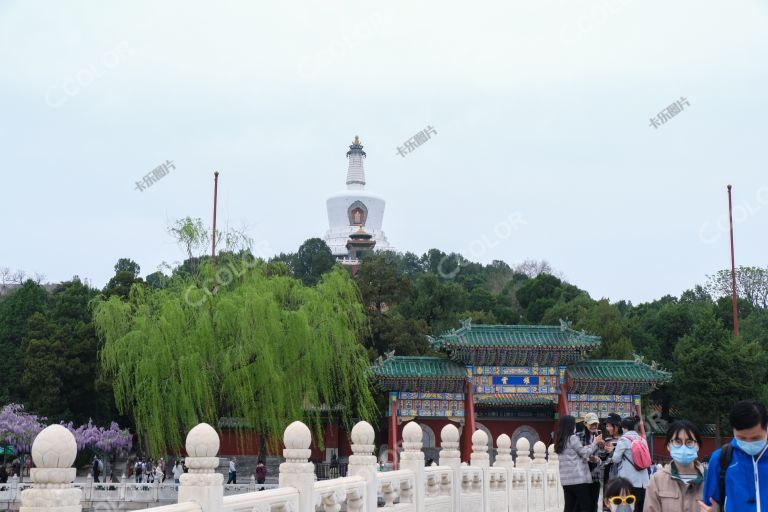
point(356, 172)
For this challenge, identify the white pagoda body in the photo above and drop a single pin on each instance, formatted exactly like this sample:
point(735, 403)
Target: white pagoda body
point(355, 213)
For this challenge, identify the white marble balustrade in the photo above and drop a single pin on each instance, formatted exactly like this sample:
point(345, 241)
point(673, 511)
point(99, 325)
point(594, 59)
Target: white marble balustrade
point(523, 485)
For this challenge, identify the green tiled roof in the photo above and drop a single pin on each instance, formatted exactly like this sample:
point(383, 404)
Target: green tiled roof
point(407, 373)
point(510, 399)
point(617, 371)
point(415, 367)
point(515, 336)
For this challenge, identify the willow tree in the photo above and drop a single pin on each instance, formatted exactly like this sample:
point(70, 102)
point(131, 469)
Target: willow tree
point(242, 341)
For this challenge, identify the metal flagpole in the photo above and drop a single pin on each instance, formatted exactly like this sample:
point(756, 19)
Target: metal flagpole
point(215, 194)
point(733, 270)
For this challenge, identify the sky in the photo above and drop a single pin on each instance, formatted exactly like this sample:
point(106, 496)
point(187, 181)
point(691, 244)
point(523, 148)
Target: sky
point(544, 145)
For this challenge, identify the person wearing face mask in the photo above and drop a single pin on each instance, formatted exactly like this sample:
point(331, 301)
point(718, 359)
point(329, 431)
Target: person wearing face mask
point(737, 476)
point(677, 486)
point(619, 497)
point(575, 476)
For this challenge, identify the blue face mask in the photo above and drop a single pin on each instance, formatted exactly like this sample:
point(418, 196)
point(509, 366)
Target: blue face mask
point(683, 455)
point(751, 447)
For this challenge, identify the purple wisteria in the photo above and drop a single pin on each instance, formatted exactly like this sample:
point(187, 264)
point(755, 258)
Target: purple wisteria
point(105, 440)
point(18, 429)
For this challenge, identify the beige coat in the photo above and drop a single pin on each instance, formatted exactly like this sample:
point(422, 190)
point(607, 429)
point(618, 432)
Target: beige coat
point(667, 493)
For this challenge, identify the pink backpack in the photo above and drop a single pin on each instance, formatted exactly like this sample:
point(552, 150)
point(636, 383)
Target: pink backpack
point(641, 456)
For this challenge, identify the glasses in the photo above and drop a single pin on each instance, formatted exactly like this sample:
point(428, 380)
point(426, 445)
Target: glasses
point(618, 500)
point(677, 443)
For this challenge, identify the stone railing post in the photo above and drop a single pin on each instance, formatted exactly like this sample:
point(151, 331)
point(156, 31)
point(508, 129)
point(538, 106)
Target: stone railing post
point(554, 466)
point(451, 456)
point(479, 457)
point(297, 471)
point(413, 458)
point(202, 484)
point(252, 484)
point(362, 462)
point(88, 488)
point(121, 491)
point(539, 455)
point(523, 454)
point(53, 453)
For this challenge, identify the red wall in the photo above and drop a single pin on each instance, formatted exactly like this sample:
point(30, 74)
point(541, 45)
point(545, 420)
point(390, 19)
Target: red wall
point(333, 436)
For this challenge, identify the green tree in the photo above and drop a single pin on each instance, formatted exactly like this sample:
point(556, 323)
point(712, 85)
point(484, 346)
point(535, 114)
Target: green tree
point(16, 310)
point(713, 370)
point(313, 259)
point(127, 265)
point(381, 284)
point(265, 349)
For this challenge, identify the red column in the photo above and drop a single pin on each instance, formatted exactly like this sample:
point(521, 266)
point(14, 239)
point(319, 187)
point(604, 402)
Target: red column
point(562, 403)
point(469, 421)
point(393, 432)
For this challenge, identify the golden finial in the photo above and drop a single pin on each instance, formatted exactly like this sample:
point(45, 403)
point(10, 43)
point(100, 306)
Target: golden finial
point(357, 140)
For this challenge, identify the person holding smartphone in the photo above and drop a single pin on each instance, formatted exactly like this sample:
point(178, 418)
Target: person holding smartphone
point(575, 476)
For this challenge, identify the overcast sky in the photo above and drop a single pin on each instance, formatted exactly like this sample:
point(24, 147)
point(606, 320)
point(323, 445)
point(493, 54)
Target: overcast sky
point(542, 108)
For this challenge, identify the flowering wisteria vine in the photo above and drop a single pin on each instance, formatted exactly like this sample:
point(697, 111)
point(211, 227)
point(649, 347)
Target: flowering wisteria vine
point(18, 429)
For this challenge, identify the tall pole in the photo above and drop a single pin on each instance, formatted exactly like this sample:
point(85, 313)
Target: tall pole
point(215, 195)
point(733, 270)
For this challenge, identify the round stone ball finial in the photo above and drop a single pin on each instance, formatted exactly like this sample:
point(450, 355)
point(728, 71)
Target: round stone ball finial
point(297, 436)
point(503, 442)
point(479, 438)
point(523, 445)
point(449, 434)
point(539, 447)
point(202, 441)
point(363, 433)
point(54, 447)
point(412, 433)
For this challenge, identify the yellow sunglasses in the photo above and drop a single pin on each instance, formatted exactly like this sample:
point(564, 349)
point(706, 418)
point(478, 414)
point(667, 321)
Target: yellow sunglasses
point(618, 500)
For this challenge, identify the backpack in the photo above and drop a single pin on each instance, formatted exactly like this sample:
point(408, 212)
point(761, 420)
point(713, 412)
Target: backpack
point(641, 456)
point(100, 465)
point(726, 454)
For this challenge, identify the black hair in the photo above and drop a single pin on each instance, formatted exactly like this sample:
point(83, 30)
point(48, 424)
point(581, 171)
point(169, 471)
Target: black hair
point(565, 427)
point(629, 423)
point(615, 487)
point(747, 414)
point(683, 426)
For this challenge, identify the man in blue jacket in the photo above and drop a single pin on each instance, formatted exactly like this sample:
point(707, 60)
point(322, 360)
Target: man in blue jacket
point(746, 476)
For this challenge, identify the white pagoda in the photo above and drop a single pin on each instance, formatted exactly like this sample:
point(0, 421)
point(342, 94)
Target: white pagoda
point(354, 215)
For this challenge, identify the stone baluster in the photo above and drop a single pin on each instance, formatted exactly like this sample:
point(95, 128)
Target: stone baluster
point(449, 447)
point(121, 488)
point(202, 484)
point(362, 462)
point(479, 457)
point(297, 471)
point(53, 453)
point(554, 466)
point(523, 455)
point(252, 484)
point(88, 488)
point(504, 452)
point(539, 454)
point(413, 458)
point(14, 487)
point(451, 456)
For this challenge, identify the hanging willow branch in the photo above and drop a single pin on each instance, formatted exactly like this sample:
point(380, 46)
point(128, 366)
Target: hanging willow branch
point(264, 349)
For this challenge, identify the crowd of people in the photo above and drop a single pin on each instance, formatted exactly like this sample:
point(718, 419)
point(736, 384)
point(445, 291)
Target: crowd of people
point(618, 466)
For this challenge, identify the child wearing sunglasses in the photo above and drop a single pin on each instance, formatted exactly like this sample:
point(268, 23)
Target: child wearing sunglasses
point(619, 497)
